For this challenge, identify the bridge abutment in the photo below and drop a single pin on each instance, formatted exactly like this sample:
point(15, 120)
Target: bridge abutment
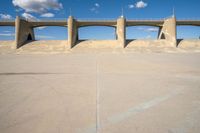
point(168, 31)
point(24, 32)
point(121, 31)
point(72, 32)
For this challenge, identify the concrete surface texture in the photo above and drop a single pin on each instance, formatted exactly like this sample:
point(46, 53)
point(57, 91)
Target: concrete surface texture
point(167, 26)
point(93, 46)
point(104, 91)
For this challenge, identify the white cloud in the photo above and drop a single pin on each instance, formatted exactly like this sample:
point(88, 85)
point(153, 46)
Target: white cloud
point(131, 6)
point(29, 16)
point(44, 37)
point(140, 4)
point(38, 6)
point(41, 28)
point(5, 16)
point(6, 31)
point(47, 15)
point(152, 29)
point(95, 9)
point(7, 34)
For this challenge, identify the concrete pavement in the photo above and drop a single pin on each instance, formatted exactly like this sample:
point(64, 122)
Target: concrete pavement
point(142, 93)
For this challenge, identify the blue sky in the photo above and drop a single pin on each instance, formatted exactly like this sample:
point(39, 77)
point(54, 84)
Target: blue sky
point(99, 9)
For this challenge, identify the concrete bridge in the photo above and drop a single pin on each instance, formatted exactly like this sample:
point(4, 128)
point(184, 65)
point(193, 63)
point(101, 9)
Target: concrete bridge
point(167, 28)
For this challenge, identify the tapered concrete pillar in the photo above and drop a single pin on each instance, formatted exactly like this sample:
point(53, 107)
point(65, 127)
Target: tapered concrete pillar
point(168, 31)
point(72, 32)
point(23, 31)
point(159, 32)
point(121, 31)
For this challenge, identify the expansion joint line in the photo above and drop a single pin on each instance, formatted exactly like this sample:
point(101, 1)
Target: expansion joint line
point(97, 97)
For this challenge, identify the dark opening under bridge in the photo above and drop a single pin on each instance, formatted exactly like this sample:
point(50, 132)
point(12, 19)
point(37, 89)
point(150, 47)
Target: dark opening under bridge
point(167, 28)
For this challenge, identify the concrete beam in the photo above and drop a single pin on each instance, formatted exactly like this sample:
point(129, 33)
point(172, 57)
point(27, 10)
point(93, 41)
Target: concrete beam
point(109, 23)
point(121, 31)
point(188, 22)
point(144, 23)
point(7, 23)
point(72, 32)
point(168, 31)
point(40, 23)
point(24, 32)
point(159, 31)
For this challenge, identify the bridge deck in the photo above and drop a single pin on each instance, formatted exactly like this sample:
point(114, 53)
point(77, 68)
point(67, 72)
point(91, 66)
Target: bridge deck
point(48, 23)
point(96, 23)
point(7, 23)
point(188, 22)
point(144, 22)
point(111, 23)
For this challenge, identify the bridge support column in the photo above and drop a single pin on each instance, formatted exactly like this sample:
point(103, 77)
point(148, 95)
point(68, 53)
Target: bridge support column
point(168, 31)
point(121, 31)
point(23, 31)
point(159, 31)
point(72, 32)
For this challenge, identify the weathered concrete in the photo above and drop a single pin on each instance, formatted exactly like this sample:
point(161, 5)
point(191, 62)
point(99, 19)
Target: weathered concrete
point(72, 31)
point(138, 93)
point(62, 23)
point(24, 32)
point(144, 23)
point(7, 23)
point(167, 28)
point(121, 31)
point(188, 22)
point(168, 31)
point(84, 23)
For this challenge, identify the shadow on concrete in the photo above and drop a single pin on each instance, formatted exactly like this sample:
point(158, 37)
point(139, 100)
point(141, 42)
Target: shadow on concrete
point(178, 42)
point(28, 42)
point(78, 42)
point(128, 42)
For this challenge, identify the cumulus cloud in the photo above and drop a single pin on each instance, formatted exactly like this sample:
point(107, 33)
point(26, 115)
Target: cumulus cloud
point(47, 15)
point(38, 6)
point(141, 4)
point(96, 7)
point(5, 16)
point(29, 16)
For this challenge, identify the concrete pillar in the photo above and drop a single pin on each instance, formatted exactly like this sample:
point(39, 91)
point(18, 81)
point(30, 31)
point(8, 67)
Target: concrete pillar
point(121, 31)
point(159, 31)
point(168, 31)
point(72, 32)
point(23, 31)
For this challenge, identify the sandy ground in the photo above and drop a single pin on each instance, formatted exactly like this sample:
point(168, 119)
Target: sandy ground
point(106, 92)
point(95, 46)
